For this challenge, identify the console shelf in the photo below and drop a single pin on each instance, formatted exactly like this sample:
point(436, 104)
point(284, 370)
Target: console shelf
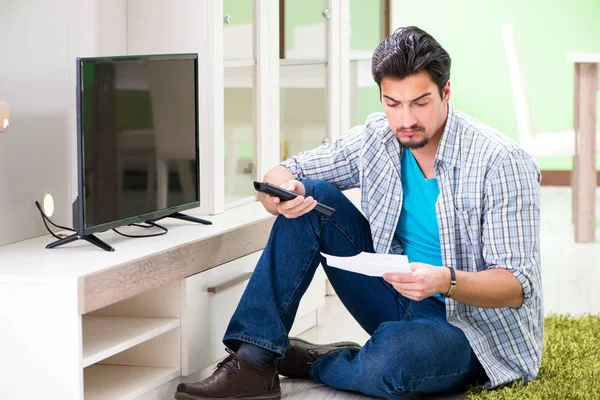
point(124, 382)
point(105, 336)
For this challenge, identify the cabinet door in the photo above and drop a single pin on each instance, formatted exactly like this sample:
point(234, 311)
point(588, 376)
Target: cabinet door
point(208, 302)
point(314, 73)
point(368, 28)
point(240, 135)
point(210, 298)
point(238, 29)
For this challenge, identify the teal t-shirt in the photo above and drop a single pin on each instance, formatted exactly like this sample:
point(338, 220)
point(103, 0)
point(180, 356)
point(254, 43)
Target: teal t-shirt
point(417, 228)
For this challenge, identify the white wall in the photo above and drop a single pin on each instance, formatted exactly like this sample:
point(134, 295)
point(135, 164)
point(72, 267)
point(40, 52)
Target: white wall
point(39, 43)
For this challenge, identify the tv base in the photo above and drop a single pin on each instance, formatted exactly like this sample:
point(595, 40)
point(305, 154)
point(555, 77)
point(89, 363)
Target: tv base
point(104, 246)
point(90, 238)
point(188, 218)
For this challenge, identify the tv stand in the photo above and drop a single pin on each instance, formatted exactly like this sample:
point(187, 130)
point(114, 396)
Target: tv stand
point(90, 238)
point(189, 218)
point(104, 246)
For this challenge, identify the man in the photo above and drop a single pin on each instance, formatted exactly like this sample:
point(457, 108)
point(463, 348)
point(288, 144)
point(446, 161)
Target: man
point(458, 198)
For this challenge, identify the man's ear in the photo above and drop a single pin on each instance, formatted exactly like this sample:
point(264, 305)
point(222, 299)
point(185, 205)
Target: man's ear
point(446, 92)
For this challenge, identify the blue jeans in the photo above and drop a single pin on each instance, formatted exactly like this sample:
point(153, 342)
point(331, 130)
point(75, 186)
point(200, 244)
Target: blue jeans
point(412, 347)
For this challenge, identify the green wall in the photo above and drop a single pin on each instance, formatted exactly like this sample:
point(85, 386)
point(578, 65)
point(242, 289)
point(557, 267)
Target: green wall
point(470, 30)
point(240, 11)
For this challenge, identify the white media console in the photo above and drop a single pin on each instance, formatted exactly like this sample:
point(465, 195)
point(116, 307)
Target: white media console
point(79, 322)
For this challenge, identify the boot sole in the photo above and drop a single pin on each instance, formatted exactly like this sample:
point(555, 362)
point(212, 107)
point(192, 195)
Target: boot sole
point(275, 395)
point(336, 344)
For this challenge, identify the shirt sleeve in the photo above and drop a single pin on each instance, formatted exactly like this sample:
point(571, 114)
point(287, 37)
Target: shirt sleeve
point(336, 163)
point(511, 220)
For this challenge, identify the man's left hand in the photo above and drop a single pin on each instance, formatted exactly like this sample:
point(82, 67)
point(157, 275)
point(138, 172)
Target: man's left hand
point(424, 281)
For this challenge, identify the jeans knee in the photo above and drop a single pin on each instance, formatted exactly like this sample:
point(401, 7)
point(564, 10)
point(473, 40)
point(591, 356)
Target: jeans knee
point(392, 359)
point(324, 192)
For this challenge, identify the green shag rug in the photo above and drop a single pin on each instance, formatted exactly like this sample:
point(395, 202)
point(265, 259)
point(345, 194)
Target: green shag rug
point(570, 364)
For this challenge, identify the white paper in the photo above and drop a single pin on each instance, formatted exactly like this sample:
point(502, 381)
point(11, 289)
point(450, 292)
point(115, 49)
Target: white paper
point(370, 264)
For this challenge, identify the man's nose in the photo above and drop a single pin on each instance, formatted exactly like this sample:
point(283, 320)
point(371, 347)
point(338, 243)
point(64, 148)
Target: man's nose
point(407, 119)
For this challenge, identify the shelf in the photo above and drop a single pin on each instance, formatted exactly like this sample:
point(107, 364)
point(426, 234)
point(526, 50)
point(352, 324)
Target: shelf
point(105, 336)
point(124, 382)
point(239, 63)
point(288, 62)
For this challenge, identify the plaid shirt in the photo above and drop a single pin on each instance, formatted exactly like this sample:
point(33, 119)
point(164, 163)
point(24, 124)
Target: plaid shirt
point(488, 216)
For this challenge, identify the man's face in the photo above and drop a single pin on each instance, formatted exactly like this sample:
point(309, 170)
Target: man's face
point(414, 109)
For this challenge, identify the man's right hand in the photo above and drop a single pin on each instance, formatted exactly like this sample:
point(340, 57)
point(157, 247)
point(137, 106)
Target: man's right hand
point(291, 208)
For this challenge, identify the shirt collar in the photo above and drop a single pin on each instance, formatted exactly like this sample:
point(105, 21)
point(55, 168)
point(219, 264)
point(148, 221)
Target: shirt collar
point(448, 151)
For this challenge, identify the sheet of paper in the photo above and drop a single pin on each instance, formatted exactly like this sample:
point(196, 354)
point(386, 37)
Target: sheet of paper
point(370, 264)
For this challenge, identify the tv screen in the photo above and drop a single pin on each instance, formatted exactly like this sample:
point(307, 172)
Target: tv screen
point(137, 139)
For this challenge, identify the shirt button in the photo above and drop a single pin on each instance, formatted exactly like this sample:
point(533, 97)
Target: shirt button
point(387, 235)
point(397, 198)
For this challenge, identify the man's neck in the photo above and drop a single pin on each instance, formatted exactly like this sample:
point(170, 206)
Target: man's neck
point(425, 156)
point(425, 162)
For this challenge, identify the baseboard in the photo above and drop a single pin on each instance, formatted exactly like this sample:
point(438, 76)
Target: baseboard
point(561, 178)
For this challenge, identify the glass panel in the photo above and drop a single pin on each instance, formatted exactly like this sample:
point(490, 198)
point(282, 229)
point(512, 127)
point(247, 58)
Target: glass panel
point(303, 112)
point(240, 163)
point(238, 31)
point(365, 36)
point(305, 29)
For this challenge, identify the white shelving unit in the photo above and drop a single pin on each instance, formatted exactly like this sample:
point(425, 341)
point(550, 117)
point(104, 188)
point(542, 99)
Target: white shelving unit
point(133, 346)
point(239, 63)
point(105, 336)
point(123, 349)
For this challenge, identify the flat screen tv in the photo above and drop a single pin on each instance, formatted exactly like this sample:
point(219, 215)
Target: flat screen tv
point(137, 142)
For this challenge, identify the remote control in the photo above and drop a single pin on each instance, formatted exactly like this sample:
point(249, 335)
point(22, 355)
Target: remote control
point(285, 195)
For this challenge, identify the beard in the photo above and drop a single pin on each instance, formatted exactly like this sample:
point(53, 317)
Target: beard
point(413, 144)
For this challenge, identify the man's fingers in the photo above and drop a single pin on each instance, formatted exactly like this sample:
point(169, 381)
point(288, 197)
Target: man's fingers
point(291, 205)
point(303, 207)
point(416, 296)
point(399, 278)
point(290, 185)
point(410, 292)
point(409, 287)
point(273, 199)
point(300, 207)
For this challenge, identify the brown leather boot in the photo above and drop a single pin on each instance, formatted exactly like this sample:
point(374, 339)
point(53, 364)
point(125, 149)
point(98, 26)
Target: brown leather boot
point(234, 378)
point(300, 355)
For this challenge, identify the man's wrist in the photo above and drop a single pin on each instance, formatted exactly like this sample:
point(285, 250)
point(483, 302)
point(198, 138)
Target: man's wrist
point(450, 282)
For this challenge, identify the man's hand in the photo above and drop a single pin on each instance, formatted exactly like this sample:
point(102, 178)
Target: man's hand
point(424, 281)
point(291, 208)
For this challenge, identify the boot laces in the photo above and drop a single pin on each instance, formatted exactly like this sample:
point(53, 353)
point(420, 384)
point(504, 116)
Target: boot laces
point(232, 362)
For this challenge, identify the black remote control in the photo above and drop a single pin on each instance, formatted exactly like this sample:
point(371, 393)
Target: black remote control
point(285, 195)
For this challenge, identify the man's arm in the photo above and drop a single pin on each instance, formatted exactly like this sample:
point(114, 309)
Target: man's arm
point(494, 288)
point(511, 222)
point(278, 175)
point(510, 245)
point(335, 163)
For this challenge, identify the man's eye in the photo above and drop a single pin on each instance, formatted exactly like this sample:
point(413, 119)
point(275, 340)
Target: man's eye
point(392, 105)
point(421, 104)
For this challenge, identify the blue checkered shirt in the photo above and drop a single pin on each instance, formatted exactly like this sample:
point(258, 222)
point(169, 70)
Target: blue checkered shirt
point(488, 214)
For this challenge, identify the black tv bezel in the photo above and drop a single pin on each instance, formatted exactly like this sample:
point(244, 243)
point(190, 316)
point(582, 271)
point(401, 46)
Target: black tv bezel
point(78, 206)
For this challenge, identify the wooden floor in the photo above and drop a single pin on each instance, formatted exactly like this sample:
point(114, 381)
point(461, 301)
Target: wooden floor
point(300, 389)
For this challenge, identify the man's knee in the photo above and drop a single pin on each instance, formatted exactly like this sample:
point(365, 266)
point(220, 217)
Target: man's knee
point(399, 352)
point(324, 192)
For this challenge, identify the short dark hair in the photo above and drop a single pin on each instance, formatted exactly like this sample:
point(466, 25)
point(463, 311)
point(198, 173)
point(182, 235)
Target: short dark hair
point(408, 51)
